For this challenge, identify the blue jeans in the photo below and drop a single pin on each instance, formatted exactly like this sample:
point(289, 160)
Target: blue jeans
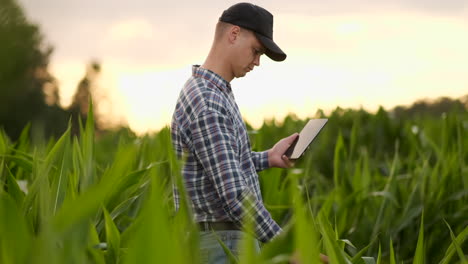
point(211, 251)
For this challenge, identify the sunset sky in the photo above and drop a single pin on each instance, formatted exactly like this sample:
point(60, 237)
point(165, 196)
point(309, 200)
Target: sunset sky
point(340, 53)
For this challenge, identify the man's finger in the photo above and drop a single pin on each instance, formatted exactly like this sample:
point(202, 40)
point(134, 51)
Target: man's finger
point(287, 161)
point(292, 137)
point(324, 258)
point(287, 142)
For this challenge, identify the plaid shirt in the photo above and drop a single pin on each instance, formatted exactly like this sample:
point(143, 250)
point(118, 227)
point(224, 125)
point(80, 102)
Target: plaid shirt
point(220, 169)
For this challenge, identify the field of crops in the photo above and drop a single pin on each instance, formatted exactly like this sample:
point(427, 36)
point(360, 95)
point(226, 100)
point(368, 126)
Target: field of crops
point(373, 188)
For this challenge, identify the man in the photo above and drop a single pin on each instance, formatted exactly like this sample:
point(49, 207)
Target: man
point(220, 169)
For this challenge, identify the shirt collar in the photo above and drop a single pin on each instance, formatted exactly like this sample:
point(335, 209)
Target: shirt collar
point(212, 77)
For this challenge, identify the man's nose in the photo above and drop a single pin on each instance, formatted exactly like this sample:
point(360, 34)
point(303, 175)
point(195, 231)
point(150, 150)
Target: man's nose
point(256, 61)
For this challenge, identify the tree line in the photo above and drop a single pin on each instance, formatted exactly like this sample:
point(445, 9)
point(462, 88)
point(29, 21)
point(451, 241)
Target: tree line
point(29, 93)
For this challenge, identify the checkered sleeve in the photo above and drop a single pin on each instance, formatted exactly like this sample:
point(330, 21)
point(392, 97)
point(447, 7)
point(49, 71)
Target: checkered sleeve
point(260, 159)
point(214, 144)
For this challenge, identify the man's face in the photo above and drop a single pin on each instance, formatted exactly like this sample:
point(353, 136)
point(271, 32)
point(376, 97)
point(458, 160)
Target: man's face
point(247, 53)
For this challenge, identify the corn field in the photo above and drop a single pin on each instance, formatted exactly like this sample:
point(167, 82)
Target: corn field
point(372, 188)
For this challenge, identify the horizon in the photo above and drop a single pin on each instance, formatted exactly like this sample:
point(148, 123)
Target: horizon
point(280, 120)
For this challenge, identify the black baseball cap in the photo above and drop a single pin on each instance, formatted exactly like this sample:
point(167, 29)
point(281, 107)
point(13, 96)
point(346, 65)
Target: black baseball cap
point(260, 21)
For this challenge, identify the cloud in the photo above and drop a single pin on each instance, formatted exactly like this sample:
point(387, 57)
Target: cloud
point(339, 52)
point(128, 30)
point(339, 7)
point(188, 10)
point(174, 29)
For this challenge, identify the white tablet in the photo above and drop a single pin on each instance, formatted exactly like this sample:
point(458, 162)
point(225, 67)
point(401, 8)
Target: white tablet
point(307, 135)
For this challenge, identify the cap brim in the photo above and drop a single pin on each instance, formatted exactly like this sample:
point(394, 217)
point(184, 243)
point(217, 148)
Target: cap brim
point(272, 50)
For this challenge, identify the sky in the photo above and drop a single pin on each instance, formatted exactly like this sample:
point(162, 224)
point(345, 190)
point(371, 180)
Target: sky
point(352, 54)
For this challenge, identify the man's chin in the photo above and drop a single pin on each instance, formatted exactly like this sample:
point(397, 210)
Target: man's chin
point(242, 74)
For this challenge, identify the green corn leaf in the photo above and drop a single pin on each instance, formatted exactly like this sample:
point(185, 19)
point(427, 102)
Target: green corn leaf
point(56, 153)
point(127, 183)
point(112, 238)
point(4, 142)
point(15, 237)
point(368, 260)
point(95, 254)
point(379, 255)
point(128, 236)
point(40, 198)
point(455, 246)
point(356, 258)
point(150, 235)
point(23, 140)
point(282, 245)
point(306, 234)
point(87, 149)
point(332, 246)
point(247, 247)
point(231, 257)
point(14, 190)
point(419, 255)
point(60, 182)
point(390, 182)
point(339, 159)
point(2, 180)
point(124, 206)
point(23, 163)
point(392, 253)
point(82, 207)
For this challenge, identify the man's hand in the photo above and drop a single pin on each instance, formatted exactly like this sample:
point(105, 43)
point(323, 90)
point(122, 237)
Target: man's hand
point(276, 157)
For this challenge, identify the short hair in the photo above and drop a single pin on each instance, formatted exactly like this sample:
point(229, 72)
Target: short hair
point(221, 28)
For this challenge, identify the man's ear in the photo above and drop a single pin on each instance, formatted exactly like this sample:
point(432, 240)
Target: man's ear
point(234, 33)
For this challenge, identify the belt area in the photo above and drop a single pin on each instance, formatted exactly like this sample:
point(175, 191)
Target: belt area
point(217, 226)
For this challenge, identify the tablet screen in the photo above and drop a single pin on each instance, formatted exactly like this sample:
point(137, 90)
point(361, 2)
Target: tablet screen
point(307, 135)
